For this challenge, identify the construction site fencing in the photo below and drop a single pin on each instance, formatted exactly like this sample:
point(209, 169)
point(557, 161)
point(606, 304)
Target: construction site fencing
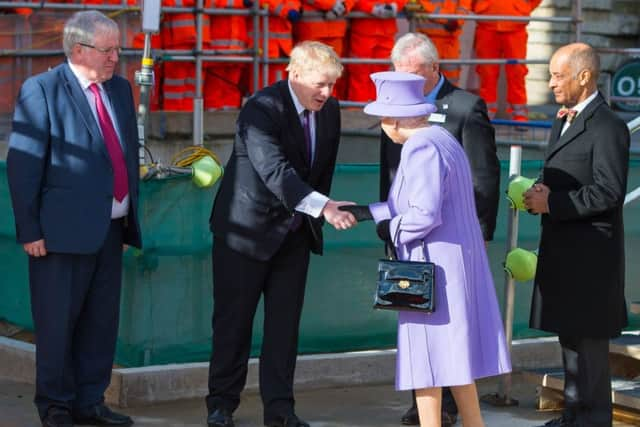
point(31, 45)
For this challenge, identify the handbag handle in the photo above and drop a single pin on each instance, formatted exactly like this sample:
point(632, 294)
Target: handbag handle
point(394, 255)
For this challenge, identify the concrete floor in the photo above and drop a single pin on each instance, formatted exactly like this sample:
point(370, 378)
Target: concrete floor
point(361, 406)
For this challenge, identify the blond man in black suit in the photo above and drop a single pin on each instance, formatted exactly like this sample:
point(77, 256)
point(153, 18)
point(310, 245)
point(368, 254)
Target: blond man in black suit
point(266, 219)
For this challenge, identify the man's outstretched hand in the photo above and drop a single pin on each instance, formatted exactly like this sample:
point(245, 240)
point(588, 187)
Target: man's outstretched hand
point(340, 219)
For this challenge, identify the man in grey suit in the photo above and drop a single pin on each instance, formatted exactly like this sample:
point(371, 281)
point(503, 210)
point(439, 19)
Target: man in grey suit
point(464, 115)
point(73, 175)
point(579, 285)
point(266, 219)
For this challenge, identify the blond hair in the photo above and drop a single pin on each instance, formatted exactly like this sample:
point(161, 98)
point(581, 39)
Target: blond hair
point(309, 56)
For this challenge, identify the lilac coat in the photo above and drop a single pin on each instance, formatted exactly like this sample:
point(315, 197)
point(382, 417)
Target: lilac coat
point(431, 200)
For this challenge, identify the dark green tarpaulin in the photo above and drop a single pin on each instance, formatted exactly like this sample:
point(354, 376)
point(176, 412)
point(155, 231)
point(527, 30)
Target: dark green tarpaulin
point(167, 297)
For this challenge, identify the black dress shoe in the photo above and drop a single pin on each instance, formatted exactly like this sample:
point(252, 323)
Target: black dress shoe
point(220, 418)
point(58, 417)
point(448, 419)
point(101, 415)
point(559, 422)
point(411, 418)
point(289, 421)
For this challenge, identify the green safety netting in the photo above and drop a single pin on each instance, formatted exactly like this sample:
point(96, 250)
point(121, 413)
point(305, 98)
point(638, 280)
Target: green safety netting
point(167, 296)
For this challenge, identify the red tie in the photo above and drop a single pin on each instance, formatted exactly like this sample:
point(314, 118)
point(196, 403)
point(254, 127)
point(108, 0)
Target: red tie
point(565, 112)
point(120, 185)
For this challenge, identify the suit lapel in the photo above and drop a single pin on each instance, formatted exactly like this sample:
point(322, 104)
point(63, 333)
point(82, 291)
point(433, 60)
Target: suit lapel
point(574, 130)
point(321, 140)
point(120, 122)
point(292, 117)
point(80, 103)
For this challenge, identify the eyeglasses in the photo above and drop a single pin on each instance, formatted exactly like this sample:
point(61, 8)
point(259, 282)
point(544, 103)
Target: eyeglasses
point(104, 50)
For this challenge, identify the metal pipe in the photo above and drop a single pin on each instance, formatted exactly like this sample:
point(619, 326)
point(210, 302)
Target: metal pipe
point(265, 51)
point(256, 47)
point(145, 79)
point(515, 162)
point(578, 19)
point(198, 102)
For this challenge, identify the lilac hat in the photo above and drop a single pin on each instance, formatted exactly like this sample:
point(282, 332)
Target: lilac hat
point(400, 94)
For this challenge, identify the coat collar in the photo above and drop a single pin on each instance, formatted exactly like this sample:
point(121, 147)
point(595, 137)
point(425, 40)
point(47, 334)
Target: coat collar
point(576, 128)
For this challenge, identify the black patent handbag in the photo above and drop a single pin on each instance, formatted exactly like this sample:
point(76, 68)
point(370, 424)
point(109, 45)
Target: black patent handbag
point(405, 285)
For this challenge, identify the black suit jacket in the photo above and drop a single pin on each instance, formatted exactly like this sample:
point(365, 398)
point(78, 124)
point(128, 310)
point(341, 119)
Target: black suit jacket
point(267, 174)
point(467, 120)
point(579, 284)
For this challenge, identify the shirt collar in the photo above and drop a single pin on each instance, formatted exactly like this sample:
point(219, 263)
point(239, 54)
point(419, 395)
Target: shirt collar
point(84, 82)
point(299, 107)
point(431, 96)
point(582, 105)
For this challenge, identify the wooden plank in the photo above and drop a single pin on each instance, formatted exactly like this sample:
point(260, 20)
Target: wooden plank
point(624, 392)
point(627, 345)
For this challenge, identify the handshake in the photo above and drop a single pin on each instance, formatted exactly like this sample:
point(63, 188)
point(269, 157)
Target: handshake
point(344, 215)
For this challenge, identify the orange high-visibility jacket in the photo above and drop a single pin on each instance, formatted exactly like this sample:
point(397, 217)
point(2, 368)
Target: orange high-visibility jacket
point(229, 32)
point(317, 27)
point(179, 29)
point(435, 27)
point(280, 37)
point(375, 26)
point(504, 7)
point(27, 11)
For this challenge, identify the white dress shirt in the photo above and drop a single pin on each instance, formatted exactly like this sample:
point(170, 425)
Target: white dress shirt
point(314, 202)
point(578, 107)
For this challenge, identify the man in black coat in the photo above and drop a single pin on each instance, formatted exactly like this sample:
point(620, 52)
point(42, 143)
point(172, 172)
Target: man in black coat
point(464, 115)
point(579, 285)
point(266, 219)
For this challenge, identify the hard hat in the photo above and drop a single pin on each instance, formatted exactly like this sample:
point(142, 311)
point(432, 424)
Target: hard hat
point(206, 171)
point(521, 264)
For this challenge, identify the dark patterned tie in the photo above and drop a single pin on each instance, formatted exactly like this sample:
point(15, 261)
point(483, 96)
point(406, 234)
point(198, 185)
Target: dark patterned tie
point(120, 183)
point(306, 124)
point(566, 112)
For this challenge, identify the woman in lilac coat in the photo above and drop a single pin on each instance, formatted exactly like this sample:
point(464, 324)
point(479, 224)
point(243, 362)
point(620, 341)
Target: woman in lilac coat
point(431, 201)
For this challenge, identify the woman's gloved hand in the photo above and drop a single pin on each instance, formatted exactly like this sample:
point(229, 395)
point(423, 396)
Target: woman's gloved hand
point(360, 212)
point(383, 231)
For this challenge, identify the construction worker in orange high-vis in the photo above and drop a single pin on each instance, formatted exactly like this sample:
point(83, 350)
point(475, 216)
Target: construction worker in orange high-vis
point(329, 27)
point(179, 32)
point(444, 33)
point(282, 14)
point(370, 38)
point(503, 39)
point(223, 84)
point(324, 21)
